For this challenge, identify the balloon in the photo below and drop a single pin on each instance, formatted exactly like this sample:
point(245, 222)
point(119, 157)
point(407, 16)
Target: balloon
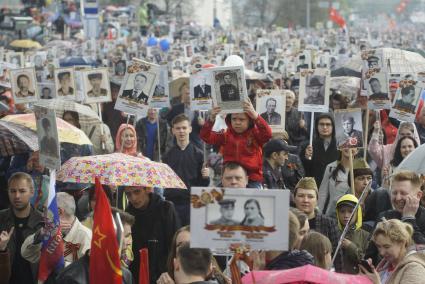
point(234, 60)
point(152, 41)
point(164, 44)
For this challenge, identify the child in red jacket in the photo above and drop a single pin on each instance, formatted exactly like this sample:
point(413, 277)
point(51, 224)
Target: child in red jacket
point(243, 140)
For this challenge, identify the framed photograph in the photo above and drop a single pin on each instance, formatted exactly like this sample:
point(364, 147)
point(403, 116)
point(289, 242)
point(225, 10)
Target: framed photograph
point(161, 95)
point(378, 91)
point(48, 140)
point(270, 105)
point(279, 66)
point(65, 83)
point(138, 87)
point(200, 91)
point(119, 68)
point(178, 64)
point(188, 51)
point(229, 88)
point(393, 83)
point(406, 103)
point(16, 58)
point(323, 61)
point(304, 60)
point(96, 86)
point(49, 71)
point(24, 85)
point(314, 90)
point(221, 217)
point(349, 128)
point(260, 65)
point(372, 60)
point(46, 91)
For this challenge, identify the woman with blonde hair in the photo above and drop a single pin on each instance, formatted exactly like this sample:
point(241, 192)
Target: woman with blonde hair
point(401, 263)
point(320, 247)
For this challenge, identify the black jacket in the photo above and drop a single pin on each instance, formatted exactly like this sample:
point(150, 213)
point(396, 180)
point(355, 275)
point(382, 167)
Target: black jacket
point(321, 157)
point(272, 178)
point(157, 222)
point(78, 273)
point(418, 224)
point(376, 202)
point(292, 259)
point(7, 221)
point(142, 139)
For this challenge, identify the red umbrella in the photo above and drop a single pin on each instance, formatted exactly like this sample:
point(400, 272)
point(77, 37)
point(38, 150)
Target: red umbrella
point(303, 275)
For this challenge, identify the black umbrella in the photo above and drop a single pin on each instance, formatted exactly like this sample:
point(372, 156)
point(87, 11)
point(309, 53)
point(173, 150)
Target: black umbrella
point(345, 72)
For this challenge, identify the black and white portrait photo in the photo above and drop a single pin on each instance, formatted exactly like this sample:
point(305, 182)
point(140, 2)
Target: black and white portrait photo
point(259, 65)
point(237, 211)
point(138, 87)
point(24, 85)
point(96, 85)
point(279, 66)
point(378, 88)
point(406, 101)
point(46, 91)
point(270, 104)
point(315, 93)
point(314, 90)
point(303, 62)
point(65, 83)
point(350, 132)
point(16, 58)
point(138, 92)
point(200, 90)
point(120, 67)
point(47, 137)
point(229, 87)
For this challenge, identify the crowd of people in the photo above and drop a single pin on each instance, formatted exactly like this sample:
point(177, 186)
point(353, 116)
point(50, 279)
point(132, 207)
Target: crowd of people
point(385, 238)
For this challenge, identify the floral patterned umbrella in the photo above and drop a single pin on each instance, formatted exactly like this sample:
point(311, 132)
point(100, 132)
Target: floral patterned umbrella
point(119, 169)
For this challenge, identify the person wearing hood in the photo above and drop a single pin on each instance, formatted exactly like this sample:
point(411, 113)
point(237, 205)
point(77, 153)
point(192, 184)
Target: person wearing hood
point(356, 240)
point(154, 227)
point(323, 150)
point(383, 154)
point(402, 262)
point(243, 140)
point(126, 140)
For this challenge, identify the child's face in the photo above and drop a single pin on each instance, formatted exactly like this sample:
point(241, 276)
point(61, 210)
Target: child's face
point(240, 122)
point(344, 213)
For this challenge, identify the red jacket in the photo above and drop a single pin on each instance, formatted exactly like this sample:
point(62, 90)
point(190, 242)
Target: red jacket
point(245, 148)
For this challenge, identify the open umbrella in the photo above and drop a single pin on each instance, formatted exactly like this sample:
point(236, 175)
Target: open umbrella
point(415, 161)
point(16, 139)
point(25, 43)
point(307, 274)
point(67, 132)
point(345, 72)
point(86, 115)
point(75, 61)
point(119, 169)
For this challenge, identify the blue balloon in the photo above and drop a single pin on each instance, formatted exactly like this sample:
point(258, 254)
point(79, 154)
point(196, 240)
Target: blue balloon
point(152, 41)
point(164, 44)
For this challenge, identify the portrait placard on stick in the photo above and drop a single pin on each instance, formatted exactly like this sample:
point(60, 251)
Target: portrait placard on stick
point(48, 140)
point(222, 217)
point(270, 104)
point(349, 128)
point(229, 88)
point(378, 92)
point(138, 87)
point(161, 95)
point(65, 83)
point(314, 90)
point(96, 86)
point(24, 85)
point(200, 91)
point(406, 103)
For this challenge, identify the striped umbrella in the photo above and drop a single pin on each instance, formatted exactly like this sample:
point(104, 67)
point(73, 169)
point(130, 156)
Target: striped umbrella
point(87, 116)
point(16, 139)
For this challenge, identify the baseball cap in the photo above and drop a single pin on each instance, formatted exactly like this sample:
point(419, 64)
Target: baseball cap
point(277, 145)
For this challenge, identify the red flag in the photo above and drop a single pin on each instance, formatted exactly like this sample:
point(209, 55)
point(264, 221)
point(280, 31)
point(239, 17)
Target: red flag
point(335, 17)
point(105, 265)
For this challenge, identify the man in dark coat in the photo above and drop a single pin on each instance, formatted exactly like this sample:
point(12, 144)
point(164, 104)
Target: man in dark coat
point(203, 90)
point(154, 228)
point(26, 221)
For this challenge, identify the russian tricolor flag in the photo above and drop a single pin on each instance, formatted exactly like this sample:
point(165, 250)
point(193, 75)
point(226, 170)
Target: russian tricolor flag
point(52, 247)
